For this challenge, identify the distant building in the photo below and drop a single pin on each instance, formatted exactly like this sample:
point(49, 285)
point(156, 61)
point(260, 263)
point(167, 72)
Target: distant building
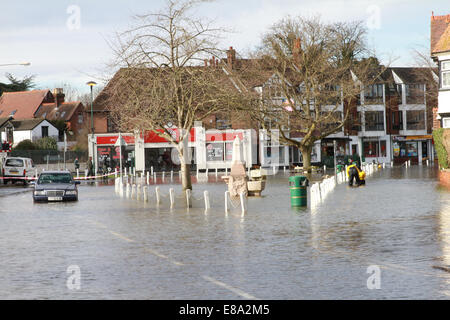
point(25, 105)
point(15, 131)
point(440, 52)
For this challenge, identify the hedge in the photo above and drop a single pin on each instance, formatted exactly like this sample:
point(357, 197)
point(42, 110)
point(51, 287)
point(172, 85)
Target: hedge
point(440, 149)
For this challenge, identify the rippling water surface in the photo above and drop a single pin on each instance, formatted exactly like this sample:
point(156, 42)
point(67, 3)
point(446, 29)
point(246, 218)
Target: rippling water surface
point(125, 249)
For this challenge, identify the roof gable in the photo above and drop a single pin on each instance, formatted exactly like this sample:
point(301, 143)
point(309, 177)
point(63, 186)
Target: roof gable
point(440, 34)
point(23, 104)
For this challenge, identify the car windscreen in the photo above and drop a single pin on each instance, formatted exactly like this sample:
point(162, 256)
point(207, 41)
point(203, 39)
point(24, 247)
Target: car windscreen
point(45, 178)
point(14, 163)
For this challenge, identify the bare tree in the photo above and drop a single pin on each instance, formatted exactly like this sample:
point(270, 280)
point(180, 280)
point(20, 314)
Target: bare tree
point(165, 83)
point(317, 73)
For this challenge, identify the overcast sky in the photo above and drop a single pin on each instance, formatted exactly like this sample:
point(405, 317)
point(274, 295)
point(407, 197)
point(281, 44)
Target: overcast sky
point(64, 49)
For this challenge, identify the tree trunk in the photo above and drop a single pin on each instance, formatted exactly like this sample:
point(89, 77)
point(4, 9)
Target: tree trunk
point(185, 166)
point(306, 153)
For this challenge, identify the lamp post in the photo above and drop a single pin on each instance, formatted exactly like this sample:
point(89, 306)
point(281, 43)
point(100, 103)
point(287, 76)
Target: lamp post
point(16, 64)
point(91, 84)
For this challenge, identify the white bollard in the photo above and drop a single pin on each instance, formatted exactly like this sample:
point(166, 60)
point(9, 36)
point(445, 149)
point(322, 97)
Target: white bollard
point(128, 191)
point(243, 203)
point(428, 162)
point(172, 198)
point(274, 170)
point(324, 169)
point(158, 197)
point(116, 185)
point(115, 173)
point(163, 175)
point(121, 189)
point(216, 172)
point(138, 192)
point(171, 175)
point(188, 197)
point(133, 191)
point(151, 170)
point(206, 196)
point(227, 195)
point(145, 193)
point(148, 178)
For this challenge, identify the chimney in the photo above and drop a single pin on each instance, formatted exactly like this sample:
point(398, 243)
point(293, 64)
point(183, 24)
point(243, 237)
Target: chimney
point(296, 48)
point(59, 96)
point(231, 57)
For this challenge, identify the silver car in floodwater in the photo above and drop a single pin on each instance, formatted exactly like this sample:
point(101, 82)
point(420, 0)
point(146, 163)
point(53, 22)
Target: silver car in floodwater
point(55, 186)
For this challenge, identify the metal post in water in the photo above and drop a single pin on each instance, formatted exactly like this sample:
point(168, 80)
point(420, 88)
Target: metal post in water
point(145, 193)
point(243, 203)
point(133, 191)
point(158, 197)
point(138, 192)
point(188, 198)
point(172, 198)
point(128, 191)
point(227, 195)
point(121, 189)
point(207, 204)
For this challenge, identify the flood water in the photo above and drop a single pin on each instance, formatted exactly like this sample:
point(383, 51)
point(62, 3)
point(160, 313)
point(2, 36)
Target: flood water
point(127, 249)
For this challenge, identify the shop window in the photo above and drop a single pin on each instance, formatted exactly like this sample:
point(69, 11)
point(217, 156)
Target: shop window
point(415, 120)
point(214, 151)
point(374, 120)
point(374, 148)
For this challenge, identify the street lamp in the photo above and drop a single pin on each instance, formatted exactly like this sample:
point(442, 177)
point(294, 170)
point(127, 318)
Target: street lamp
point(92, 84)
point(16, 64)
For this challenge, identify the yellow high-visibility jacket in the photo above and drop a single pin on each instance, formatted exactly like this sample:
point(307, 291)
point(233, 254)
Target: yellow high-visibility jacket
point(362, 174)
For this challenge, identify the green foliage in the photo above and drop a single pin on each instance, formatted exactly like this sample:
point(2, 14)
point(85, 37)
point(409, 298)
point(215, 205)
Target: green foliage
point(25, 145)
point(47, 143)
point(25, 84)
point(440, 148)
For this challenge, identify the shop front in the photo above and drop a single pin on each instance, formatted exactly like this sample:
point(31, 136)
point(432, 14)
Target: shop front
point(414, 148)
point(217, 151)
point(107, 152)
point(342, 150)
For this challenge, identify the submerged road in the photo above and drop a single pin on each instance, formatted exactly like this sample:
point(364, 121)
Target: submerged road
point(399, 223)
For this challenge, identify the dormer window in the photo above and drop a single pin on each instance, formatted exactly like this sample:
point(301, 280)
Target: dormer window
point(445, 74)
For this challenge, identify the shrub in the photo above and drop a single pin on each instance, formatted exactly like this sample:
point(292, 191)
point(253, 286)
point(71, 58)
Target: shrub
point(25, 145)
point(47, 143)
point(438, 135)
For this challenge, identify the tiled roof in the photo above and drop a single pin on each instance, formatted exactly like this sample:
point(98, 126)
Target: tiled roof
point(63, 112)
point(440, 33)
point(21, 105)
point(26, 124)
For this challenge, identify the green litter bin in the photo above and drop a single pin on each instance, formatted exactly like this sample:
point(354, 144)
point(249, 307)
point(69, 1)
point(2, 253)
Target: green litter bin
point(299, 192)
point(339, 168)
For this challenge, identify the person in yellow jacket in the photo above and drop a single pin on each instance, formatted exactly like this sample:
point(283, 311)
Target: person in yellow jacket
point(355, 173)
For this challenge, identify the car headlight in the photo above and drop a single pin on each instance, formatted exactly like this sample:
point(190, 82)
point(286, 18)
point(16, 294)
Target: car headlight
point(39, 193)
point(71, 193)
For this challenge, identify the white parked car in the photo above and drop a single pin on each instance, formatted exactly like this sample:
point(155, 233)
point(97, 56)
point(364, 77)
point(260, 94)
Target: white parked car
point(17, 169)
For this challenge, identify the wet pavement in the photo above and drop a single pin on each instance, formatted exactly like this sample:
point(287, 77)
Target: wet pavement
point(125, 249)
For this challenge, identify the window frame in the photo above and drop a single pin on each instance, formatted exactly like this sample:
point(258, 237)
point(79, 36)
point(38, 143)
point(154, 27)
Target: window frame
point(446, 71)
